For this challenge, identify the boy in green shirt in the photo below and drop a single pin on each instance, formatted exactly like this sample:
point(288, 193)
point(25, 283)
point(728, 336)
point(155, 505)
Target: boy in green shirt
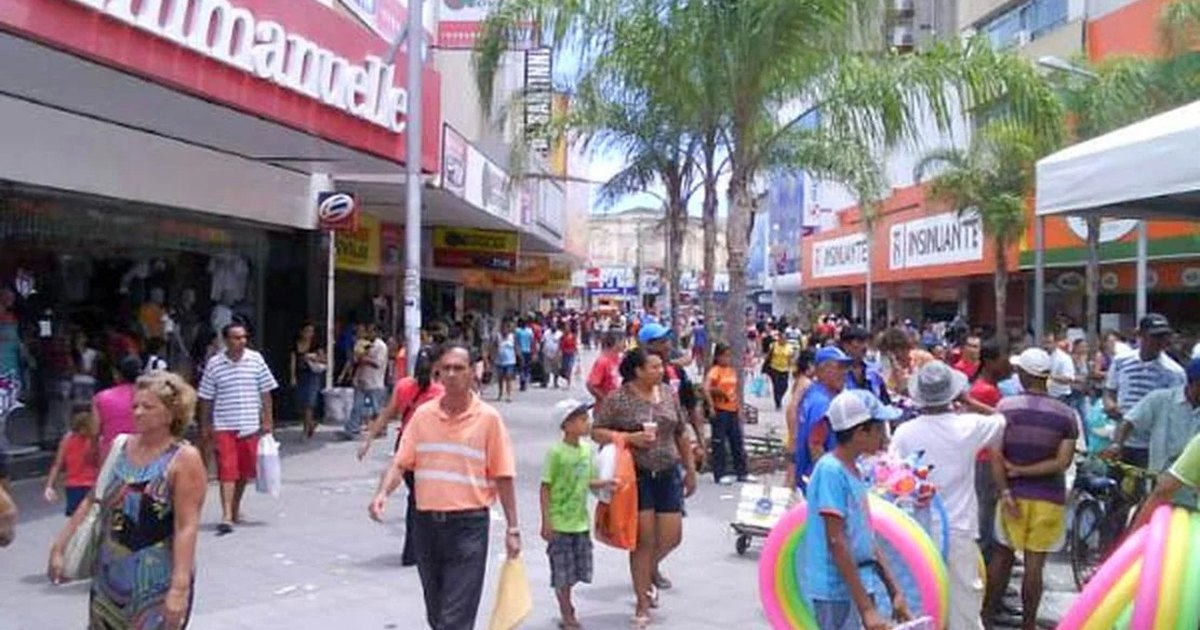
point(568, 473)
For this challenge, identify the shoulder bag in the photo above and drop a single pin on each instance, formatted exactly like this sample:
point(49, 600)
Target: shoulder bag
point(79, 555)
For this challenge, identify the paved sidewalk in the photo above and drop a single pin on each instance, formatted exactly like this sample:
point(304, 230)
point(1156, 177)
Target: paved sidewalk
point(313, 560)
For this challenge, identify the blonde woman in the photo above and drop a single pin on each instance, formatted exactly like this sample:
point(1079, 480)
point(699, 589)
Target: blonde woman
point(149, 516)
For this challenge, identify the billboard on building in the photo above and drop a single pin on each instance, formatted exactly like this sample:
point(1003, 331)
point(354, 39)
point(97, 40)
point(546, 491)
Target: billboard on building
point(539, 100)
point(941, 239)
point(470, 248)
point(842, 256)
point(460, 24)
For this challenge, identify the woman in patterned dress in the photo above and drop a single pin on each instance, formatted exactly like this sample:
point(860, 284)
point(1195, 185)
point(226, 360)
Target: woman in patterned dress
point(150, 514)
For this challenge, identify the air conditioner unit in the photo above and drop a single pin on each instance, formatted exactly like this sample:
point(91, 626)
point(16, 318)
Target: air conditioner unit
point(902, 36)
point(903, 6)
point(1021, 38)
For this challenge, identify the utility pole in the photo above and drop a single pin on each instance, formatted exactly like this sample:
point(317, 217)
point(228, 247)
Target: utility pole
point(412, 163)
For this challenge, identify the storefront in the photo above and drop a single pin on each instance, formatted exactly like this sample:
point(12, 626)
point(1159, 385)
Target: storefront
point(1172, 282)
point(165, 183)
point(928, 262)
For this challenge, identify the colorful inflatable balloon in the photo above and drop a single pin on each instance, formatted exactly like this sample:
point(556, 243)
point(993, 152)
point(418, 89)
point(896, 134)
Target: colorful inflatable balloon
point(1149, 583)
point(912, 555)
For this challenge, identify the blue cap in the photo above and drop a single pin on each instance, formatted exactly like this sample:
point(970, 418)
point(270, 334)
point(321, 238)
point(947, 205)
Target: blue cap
point(652, 332)
point(832, 353)
point(1193, 370)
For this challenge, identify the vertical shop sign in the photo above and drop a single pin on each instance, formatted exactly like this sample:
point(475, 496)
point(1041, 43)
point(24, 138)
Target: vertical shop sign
point(539, 100)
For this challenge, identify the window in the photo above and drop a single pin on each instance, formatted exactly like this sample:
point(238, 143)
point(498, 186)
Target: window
point(1035, 18)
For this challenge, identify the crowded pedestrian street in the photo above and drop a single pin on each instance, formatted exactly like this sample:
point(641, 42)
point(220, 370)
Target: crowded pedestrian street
point(312, 559)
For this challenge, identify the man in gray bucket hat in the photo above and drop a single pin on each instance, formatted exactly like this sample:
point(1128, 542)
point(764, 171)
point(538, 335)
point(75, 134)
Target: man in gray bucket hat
point(949, 440)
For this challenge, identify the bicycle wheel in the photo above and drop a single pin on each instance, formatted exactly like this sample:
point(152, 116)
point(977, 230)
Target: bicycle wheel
point(1086, 541)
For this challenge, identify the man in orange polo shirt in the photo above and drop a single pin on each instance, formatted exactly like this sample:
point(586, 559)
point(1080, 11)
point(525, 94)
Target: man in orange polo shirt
point(461, 458)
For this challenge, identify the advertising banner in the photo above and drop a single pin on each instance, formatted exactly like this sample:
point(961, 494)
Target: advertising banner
point(531, 271)
point(843, 256)
point(358, 250)
point(539, 100)
point(388, 17)
point(460, 23)
point(391, 249)
point(941, 239)
point(611, 281)
point(469, 248)
point(454, 161)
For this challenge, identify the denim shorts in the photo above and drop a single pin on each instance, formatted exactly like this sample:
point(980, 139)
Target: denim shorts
point(660, 492)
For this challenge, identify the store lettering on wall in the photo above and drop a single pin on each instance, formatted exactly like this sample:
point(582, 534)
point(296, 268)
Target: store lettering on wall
point(841, 256)
point(225, 32)
point(941, 239)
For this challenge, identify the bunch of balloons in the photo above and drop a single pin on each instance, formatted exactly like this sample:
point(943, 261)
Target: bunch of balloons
point(1151, 582)
point(914, 559)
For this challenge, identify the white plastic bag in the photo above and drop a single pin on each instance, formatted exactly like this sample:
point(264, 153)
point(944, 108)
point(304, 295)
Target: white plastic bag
point(606, 469)
point(270, 476)
point(338, 403)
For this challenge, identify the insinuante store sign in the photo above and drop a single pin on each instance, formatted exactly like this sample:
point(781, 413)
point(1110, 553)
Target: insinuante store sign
point(223, 31)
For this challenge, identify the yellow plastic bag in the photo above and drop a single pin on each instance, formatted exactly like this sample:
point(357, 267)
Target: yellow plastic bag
point(514, 602)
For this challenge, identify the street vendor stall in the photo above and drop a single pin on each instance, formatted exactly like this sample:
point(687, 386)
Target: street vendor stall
point(1147, 170)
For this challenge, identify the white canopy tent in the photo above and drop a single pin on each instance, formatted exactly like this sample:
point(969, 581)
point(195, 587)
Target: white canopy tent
point(1148, 170)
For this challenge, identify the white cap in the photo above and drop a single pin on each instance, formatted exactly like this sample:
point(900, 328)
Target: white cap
point(847, 411)
point(1034, 362)
point(566, 408)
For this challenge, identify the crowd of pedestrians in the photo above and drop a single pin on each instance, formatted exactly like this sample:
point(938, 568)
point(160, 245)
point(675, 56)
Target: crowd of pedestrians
point(1001, 428)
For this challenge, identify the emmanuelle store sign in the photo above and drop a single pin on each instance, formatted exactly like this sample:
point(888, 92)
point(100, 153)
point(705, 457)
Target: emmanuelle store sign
point(230, 34)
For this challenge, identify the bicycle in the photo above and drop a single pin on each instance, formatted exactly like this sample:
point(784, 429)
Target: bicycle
point(1104, 506)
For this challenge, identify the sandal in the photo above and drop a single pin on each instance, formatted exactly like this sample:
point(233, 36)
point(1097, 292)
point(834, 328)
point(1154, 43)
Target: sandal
point(653, 596)
point(640, 621)
point(660, 581)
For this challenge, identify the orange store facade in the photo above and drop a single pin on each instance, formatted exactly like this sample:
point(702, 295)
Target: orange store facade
point(928, 261)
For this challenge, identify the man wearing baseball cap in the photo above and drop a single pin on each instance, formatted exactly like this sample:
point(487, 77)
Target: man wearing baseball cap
point(813, 437)
point(842, 537)
point(1134, 375)
point(1169, 416)
point(1038, 448)
point(949, 441)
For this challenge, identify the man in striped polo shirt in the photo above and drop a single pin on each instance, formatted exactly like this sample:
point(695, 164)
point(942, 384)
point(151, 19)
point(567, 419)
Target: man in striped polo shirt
point(1133, 375)
point(462, 460)
point(235, 409)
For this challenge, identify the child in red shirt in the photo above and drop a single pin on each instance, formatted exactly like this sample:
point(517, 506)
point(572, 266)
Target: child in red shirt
point(78, 458)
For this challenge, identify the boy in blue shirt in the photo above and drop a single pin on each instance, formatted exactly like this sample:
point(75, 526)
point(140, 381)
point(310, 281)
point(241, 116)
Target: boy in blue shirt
point(845, 574)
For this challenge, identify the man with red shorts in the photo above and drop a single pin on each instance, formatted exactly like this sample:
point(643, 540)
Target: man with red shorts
point(235, 409)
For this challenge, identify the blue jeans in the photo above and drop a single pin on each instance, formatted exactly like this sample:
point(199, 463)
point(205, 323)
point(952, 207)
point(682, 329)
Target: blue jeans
point(366, 401)
point(727, 435)
point(525, 364)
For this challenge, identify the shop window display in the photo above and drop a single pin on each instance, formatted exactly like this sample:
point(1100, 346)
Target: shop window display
point(84, 283)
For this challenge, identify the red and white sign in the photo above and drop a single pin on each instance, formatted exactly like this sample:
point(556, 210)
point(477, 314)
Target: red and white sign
point(460, 23)
point(454, 162)
point(285, 61)
point(389, 17)
point(337, 212)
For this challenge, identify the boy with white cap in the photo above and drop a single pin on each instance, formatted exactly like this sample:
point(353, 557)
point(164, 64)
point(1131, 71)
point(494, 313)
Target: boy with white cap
point(568, 472)
point(845, 575)
point(950, 441)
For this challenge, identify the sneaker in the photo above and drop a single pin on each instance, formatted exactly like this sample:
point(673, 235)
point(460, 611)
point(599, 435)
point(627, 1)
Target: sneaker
point(727, 480)
point(748, 479)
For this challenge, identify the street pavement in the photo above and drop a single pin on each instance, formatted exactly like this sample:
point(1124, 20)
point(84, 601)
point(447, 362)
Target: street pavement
point(312, 558)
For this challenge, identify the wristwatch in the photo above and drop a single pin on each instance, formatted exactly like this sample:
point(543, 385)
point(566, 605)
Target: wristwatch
point(514, 531)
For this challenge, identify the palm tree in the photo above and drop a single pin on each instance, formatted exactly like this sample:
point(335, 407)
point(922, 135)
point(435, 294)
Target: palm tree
point(1123, 90)
point(822, 54)
point(993, 179)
